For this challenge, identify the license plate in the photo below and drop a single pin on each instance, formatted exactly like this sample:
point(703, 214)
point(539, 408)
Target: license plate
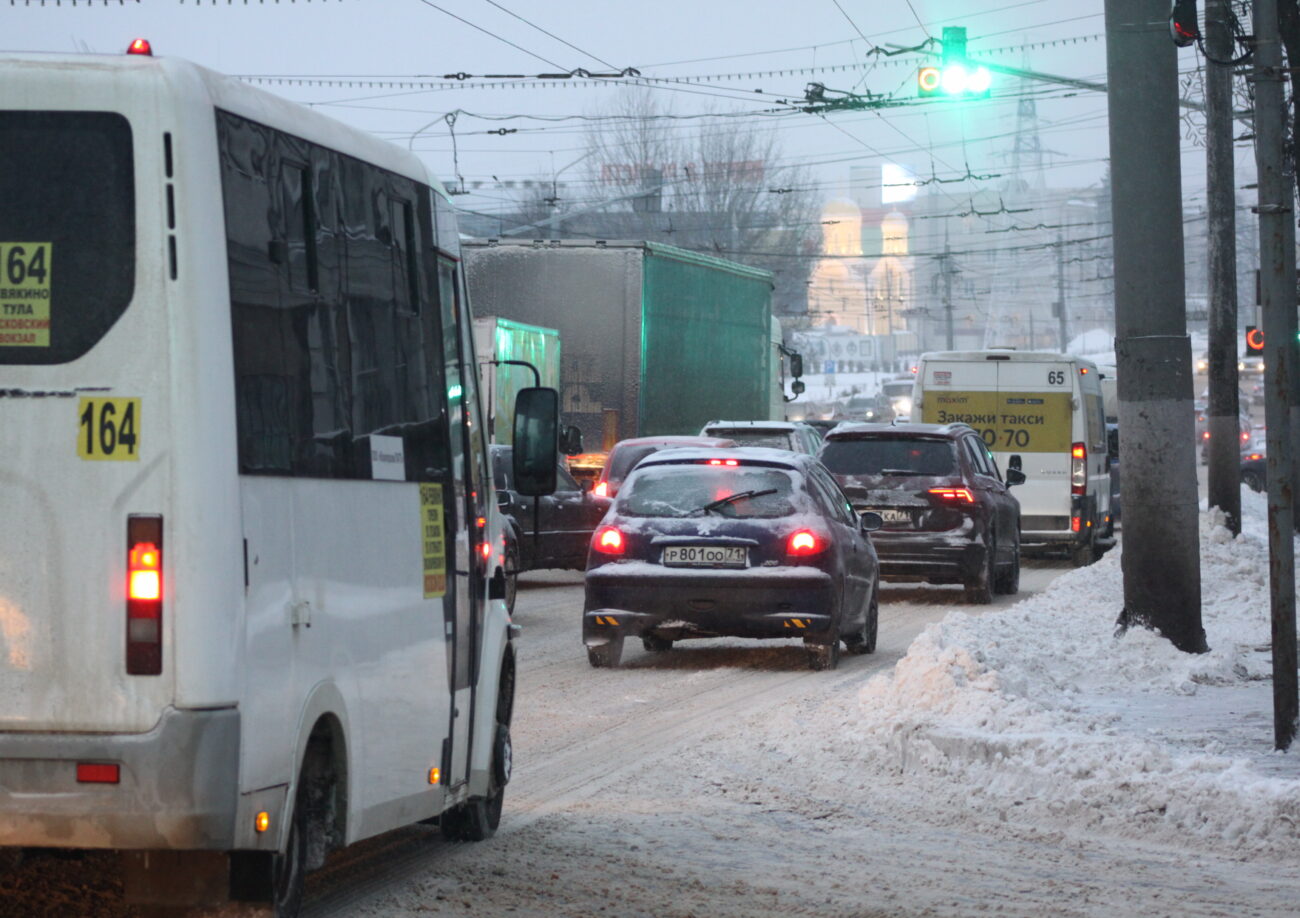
point(705, 556)
point(895, 516)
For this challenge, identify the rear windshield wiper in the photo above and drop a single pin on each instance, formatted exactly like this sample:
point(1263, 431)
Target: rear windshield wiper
point(732, 498)
point(901, 472)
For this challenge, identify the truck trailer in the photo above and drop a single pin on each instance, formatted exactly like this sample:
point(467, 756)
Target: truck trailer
point(500, 347)
point(657, 340)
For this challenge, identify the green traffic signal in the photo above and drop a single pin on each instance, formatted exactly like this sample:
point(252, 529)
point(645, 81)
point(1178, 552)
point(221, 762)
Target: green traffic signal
point(958, 77)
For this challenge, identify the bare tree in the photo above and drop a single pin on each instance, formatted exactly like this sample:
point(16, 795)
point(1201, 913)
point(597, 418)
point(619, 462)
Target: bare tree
point(714, 183)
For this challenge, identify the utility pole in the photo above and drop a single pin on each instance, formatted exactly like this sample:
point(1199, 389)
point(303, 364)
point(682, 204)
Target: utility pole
point(1223, 411)
point(1278, 292)
point(1063, 329)
point(1161, 560)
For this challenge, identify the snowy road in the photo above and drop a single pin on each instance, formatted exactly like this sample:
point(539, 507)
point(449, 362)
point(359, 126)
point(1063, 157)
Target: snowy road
point(720, 779)
point(681, 785)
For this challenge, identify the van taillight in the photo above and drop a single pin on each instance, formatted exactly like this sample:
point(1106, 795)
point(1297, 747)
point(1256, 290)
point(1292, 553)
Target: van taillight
point(1079, 469)
point(144, 591)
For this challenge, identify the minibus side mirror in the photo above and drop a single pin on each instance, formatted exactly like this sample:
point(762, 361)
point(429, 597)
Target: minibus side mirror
point(796, 365)
point(1015, 463)
point(536, 440)
point(1015, 477)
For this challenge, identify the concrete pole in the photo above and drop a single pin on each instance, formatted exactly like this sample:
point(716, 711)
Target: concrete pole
point(1223, 411)
point(1161, 560)
point(1277, 288)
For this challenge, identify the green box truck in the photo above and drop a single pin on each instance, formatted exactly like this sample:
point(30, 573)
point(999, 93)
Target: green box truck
point(657, 340)
point(497, 340)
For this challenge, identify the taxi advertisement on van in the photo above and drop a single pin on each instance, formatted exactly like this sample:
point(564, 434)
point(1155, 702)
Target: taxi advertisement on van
point(1026, 422)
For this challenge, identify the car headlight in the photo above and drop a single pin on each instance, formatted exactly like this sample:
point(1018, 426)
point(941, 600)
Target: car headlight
point(903, 405)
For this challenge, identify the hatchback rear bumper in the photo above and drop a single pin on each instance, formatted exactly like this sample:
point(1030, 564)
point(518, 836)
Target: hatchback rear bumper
point(754, 603)
point(931, 558)
point(177, 786)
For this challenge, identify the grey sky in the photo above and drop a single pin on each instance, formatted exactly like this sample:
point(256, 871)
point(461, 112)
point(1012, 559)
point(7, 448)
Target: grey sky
point(380, 39)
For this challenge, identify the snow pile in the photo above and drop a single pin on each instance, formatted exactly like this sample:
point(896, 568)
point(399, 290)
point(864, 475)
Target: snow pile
point(1041, 707)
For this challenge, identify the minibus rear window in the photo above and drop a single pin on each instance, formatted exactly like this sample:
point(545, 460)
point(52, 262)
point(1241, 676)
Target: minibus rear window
point(67, 232)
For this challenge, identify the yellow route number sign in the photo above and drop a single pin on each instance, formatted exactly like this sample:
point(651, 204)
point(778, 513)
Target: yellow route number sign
point(1024, 422)
point(109, 429)
point(25, 294)
point(433, 534)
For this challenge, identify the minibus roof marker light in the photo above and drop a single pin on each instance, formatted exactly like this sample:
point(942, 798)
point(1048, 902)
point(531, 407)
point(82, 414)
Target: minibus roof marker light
point(140, 46)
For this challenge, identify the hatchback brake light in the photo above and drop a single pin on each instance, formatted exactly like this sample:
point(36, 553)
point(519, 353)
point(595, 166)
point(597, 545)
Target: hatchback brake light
point(144, 591)
point(608, 540)
point(955, 495)
point(727, 462)
point(804, 542)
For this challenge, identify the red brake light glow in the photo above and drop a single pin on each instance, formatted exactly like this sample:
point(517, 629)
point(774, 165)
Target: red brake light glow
point(957, 495)
point(140, 46)
point(602, 489)
point(804, 542)
point(144, 591)
point(729, 462)
point(608, 540)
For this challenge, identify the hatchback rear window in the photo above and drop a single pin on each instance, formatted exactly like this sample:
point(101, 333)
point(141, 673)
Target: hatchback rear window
point(626, 458)
point(744, 492)
point(776, 439)
point(67, 232)
point(890, 456)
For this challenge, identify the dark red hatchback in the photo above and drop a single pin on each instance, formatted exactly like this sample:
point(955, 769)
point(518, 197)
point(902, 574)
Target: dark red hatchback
point(949, 515)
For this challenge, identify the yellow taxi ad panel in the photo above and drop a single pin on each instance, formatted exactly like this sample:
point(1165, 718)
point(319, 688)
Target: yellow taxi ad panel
point(1027, 422)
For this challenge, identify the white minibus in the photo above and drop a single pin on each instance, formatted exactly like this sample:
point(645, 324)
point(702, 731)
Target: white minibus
point(1041, 412)
point(251, 586)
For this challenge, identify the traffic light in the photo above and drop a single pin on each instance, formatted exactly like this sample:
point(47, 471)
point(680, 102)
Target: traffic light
point(957, 77)
point(1254, 340)
point(1182, 23)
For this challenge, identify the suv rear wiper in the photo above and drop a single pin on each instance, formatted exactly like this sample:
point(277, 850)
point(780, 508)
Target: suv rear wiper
point(901, 472)
point(732, 498)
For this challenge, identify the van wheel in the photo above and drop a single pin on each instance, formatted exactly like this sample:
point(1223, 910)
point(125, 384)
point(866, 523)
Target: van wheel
point(1084, 554)
point(477, 819)
point(979, 589)
point(289, 865)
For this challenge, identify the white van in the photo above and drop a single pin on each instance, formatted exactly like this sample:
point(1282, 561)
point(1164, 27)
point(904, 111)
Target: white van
point(1040, 411)
point(252, 587)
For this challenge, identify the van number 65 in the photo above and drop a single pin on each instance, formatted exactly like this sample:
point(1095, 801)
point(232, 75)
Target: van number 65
point(1056, 377)
point(109, 428)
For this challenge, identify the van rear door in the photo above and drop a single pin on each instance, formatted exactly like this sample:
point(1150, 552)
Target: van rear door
point(1035, 421)
point(83, 407)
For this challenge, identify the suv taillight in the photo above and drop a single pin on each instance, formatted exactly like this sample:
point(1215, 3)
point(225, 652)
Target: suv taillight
point(1079, 469)
point(144, 592)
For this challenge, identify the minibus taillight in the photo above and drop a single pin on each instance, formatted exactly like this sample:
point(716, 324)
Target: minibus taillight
point(144, 591)
point(1079, 469)
point(608, 541)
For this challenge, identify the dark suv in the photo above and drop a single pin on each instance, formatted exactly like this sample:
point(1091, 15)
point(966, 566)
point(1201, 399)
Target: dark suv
point(949, 516)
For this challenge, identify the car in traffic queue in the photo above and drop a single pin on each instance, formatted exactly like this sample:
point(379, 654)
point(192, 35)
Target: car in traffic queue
point(627, 453)
point(948, 514)
point(792, 435)
point(746, 542)
point(1254, 462)
point(553, 532)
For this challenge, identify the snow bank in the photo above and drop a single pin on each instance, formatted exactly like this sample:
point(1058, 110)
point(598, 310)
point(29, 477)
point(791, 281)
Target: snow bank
point(1041, 708)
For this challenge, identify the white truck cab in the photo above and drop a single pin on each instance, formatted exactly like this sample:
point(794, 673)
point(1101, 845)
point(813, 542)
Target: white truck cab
point(1039, 411)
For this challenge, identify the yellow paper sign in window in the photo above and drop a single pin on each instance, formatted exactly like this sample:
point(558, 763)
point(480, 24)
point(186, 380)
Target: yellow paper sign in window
point(434, 536)
point(25, 294)
point(109, 428)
